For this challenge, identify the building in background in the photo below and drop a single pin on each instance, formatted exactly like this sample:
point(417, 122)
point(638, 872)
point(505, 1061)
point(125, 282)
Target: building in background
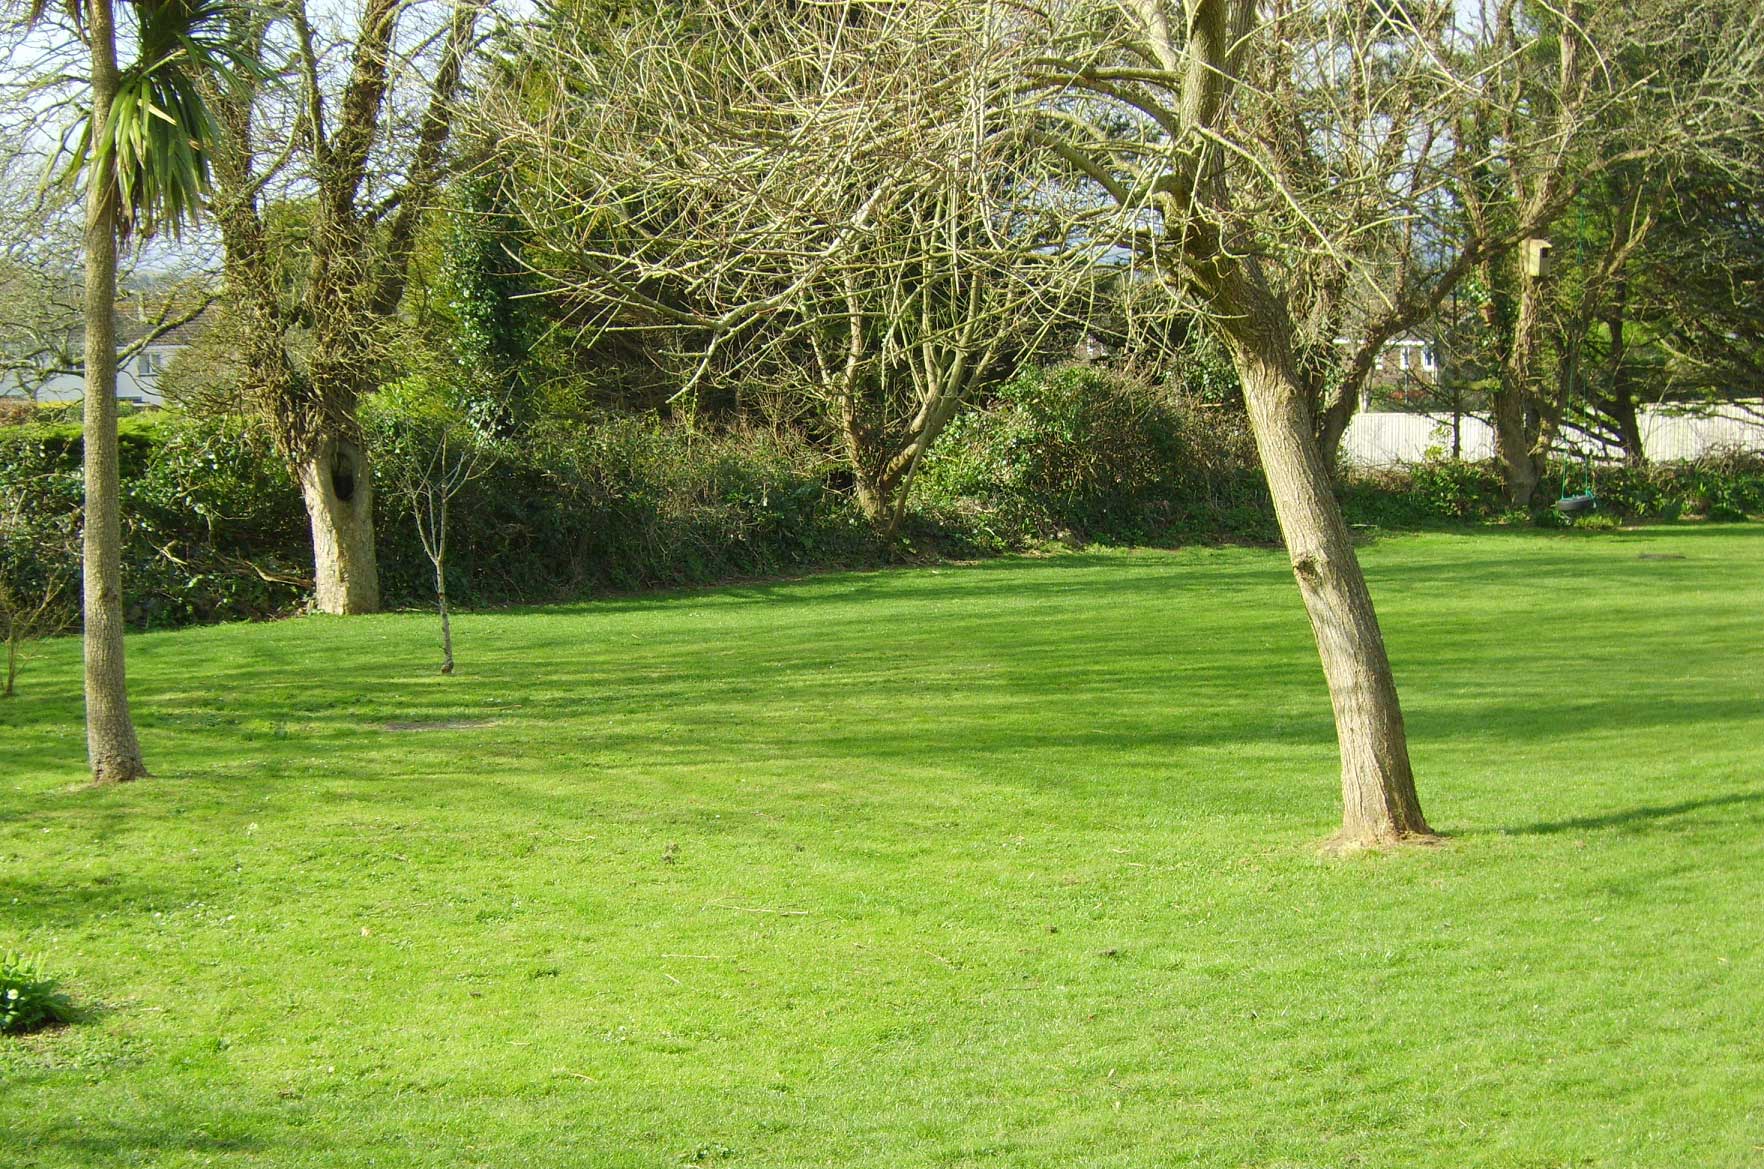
point(137, 373)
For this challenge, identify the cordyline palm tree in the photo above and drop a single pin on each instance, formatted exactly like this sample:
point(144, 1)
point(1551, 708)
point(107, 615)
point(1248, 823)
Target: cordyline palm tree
point(143, 151)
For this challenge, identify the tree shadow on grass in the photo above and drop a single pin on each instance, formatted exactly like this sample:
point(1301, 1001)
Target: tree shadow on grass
point(64, 902)
point(118, 1140)
point(1629, 819)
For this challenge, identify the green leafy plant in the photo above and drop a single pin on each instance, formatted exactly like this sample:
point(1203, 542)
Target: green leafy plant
point(30, 999)
point(1099, 453)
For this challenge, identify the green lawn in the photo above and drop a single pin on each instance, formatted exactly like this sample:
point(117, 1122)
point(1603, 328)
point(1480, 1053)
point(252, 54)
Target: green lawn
point(1011, 864)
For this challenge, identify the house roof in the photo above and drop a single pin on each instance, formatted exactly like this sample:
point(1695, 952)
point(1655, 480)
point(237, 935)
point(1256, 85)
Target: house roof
point(130, 329)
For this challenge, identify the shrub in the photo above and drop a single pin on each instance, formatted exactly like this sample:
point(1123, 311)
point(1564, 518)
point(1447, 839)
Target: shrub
point(1435, 491)
point(1092, 451)
point(213, 529)
point(30, 999)
point(625, 502)
point(1724, 486)
point(17, 411)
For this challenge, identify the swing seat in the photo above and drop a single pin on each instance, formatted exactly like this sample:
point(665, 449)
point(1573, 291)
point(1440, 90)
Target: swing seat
point(1575, 504)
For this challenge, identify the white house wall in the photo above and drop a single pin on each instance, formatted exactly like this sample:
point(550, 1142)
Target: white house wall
point(131, 384)
point(1388, 439)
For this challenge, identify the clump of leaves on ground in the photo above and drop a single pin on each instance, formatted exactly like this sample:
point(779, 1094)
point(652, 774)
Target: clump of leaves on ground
point(29, 998)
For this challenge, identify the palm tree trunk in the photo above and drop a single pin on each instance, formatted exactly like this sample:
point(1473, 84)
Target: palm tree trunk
point(111, 744)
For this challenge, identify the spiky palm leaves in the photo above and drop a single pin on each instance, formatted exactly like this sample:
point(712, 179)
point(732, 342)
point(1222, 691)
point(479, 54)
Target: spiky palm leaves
point(156, 142)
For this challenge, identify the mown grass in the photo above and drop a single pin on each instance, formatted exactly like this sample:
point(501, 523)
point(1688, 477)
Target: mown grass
point(1011, 864)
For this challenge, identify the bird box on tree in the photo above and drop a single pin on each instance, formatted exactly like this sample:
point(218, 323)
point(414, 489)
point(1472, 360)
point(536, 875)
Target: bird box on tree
point(1537, 258)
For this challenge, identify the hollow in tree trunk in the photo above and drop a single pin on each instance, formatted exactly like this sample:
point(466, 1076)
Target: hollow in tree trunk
point(1379, 802)
point(111, 745)
point(337, 485)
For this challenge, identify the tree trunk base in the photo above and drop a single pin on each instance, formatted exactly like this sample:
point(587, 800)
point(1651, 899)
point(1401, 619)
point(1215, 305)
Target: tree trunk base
point(118, 769)
point(1345, 843)
point(338, 491)
point(1379, 802)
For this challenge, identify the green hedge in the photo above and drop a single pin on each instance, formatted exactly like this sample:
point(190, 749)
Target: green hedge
point(630, 503)
point(1727, 486)
point(214, 528)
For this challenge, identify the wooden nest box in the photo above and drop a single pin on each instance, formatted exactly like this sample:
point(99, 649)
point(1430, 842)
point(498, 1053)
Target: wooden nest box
point(1537, 258)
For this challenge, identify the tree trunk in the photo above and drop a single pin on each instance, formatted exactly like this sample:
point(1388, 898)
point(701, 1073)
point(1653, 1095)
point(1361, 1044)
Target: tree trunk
point(1514, 403)
point(870, 481)
point(111, 744)
point(1379, 802)
point(1519, 472)
point(446, 625)
point(439, 544)
point(872, 496)
point(1333, 425)
point(1628, 420)
point(1622, 406)
point(337, 484)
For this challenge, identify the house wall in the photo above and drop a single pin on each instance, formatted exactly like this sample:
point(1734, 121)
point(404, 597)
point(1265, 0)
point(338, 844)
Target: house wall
point(132, 384)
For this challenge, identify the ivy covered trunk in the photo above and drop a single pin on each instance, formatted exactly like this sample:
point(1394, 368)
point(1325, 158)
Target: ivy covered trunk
point(1520, 431)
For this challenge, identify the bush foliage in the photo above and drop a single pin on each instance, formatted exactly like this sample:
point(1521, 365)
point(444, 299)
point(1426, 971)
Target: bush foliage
point(1727, 486)
point(625, 503)
point(214, 528)
point(1093, 452)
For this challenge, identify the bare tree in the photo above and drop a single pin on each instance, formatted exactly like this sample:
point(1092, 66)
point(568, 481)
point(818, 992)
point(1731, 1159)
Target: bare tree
point(363, 150)
point(1263, 159)
point(843, 199)
point(1570, 100)
point(1288, 170)
point(428, 450)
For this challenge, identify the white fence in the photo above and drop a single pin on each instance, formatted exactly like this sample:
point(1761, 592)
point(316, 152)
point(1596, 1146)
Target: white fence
point(1376, 439)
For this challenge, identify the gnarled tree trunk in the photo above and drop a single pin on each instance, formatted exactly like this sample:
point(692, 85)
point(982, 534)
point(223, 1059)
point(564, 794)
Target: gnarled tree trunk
point(337, 483)
point(359, 253)
point(111, 745)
